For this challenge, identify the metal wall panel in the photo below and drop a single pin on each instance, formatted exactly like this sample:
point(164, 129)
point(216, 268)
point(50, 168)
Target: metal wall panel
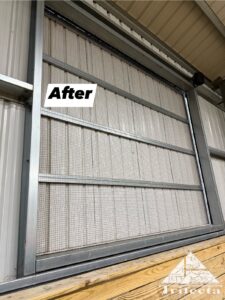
point(117, 112)
point(72, 216)
point(11, 148)
point(77, 216)
point(72, 150)
point(14, 31)
point(62, 43)
point(219, 171)
point(214, 126)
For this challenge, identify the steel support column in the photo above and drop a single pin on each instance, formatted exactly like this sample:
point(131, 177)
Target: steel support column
point(205, 160)
point(29, 193)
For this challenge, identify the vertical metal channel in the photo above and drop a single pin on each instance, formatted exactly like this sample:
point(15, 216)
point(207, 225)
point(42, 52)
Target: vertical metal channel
point(197, 157)
point(29, 193)
point(204, 160)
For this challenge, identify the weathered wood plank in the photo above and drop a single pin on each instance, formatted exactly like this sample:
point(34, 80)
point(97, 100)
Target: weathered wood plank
point(211, 297)
point(133, 281)
point(155, 290)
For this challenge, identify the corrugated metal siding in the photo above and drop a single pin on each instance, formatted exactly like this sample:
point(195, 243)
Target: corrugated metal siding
point(219, 171)
point(75, 216)
point(11, 146)
point(14, 37)
point(62, 43)
point(183, 27)
point(214, 125)
point(120, 113)
point(70, 150)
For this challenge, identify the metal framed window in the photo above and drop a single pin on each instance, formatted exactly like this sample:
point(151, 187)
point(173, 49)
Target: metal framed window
point(97, 256)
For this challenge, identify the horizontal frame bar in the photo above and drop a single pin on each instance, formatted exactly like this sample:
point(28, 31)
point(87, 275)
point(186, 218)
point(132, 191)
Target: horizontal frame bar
point(75, 71)
point(64, 179)
point(217, 153)
point(100, 263)
point(57, 260)
point(72, 120)
point(15, 87)
point(209, 95)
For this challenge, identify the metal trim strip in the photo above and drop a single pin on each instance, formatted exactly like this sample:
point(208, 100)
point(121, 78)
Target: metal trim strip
point(197, 158)
point(15, 87)
point(55, 260)
point(50, 178)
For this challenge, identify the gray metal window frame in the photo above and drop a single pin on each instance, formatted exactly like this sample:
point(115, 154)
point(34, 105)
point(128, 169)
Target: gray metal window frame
point(28, 264)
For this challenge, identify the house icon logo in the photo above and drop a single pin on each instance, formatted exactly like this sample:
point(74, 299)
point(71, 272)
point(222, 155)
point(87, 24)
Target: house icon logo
point(189, 276)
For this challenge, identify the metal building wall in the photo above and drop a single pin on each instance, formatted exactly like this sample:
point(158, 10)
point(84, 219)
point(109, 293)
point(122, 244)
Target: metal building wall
point(14, 37)
point(11, 148)
point(214, 125)
point(14, 46)
point(73, 215)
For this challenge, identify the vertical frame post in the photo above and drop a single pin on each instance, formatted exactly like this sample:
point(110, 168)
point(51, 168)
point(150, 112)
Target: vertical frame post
point(29, 184)
point(197, 158)
point(204, 158)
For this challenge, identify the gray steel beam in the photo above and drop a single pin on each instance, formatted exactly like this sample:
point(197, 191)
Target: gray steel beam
point(14, 87)
point(73, 179)
point(75, 71)
point(56, 260)
point(29, 198)
point(24, 191)
point(217, 153)
point(100, 263)
point(208, 94)
point(205, 160)
point(72, 120)
point(197, 158)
